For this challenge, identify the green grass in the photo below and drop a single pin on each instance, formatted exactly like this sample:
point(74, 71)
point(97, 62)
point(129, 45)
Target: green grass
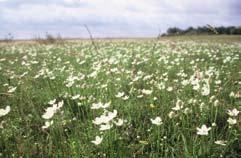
point(42, 73)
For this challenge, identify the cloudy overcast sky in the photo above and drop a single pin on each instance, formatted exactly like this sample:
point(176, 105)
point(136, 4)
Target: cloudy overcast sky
point(112, 18)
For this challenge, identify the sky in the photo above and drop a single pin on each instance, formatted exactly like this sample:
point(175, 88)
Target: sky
point(26, 19)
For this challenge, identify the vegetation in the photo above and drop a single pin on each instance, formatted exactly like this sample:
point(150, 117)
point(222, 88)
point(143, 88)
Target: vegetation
point(131, 98)
point(205, 30)
point(49, 39)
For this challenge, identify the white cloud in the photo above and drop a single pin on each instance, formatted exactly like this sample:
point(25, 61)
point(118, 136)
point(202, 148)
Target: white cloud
point(116, 17)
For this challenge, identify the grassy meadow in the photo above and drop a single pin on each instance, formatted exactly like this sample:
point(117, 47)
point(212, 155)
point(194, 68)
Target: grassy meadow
point(168, 98)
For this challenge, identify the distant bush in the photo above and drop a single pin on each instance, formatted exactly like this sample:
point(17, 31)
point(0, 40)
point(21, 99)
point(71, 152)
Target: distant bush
point(204, 30)
point(50, 39)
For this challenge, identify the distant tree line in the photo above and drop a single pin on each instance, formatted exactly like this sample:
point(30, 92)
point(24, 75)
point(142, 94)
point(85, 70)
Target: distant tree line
point(204, 30)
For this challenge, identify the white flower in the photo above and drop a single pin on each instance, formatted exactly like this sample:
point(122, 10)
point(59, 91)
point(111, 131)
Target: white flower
point(146, 92)
point(216, 102)
point(205, 90)
point(231, 94)
point(104, 127)
point(185, 82)
point(100, 105)
point(218, 82)
point(75, 97)
point(60, 104)
point(12, 89)
point(97, 140)
point(125, 97)
point(157, 121)
point(69, 84)
point(203, 130)
point(96, 105)
point(105, 118)
point(100, 120)
point(47, 124)
point(139, 96)
point(51, 102)
point(171, 114)
point(231, 121)
point(169, 89)
point(120, 94)
point(233, 112)
point(5, 111)
point(220, 142)
point(106, 105)
point(50, 111)
point(179, 105)
point(112, 115)
point(187, 110)
point(196, 86)
point(119, 122)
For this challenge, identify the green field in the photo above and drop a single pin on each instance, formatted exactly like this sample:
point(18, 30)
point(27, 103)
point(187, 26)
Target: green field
point(178, 97)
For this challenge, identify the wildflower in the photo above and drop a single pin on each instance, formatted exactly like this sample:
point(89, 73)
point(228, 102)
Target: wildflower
point(112, 115)
point(104, 127)
point(220, 142)
point(211, 99)
point(231, 94)
point(203, 130)
point(206, 89)
point(171, 114)
point(202, 106)
point(120, 94)
point(179, 105)
point(75, 97)
point(12, 89)
point(97, 140)
point(169, 89)
point(100, 105)
point(157, 121)
point(187, 111)
point(119, 122)
point(60, 104)
point(105, 118)
point(152, 106)
point(143, 142)
point(233, 112)
point(125, 97)
point(196, 86)
point(50, 111)
point(69, 84)
point(47, 124)
point(51, 102)
point(231, 121)
point(185, 82)
point(5, 111)
point(139, 96)
point(216, 102)
point(146, 92)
